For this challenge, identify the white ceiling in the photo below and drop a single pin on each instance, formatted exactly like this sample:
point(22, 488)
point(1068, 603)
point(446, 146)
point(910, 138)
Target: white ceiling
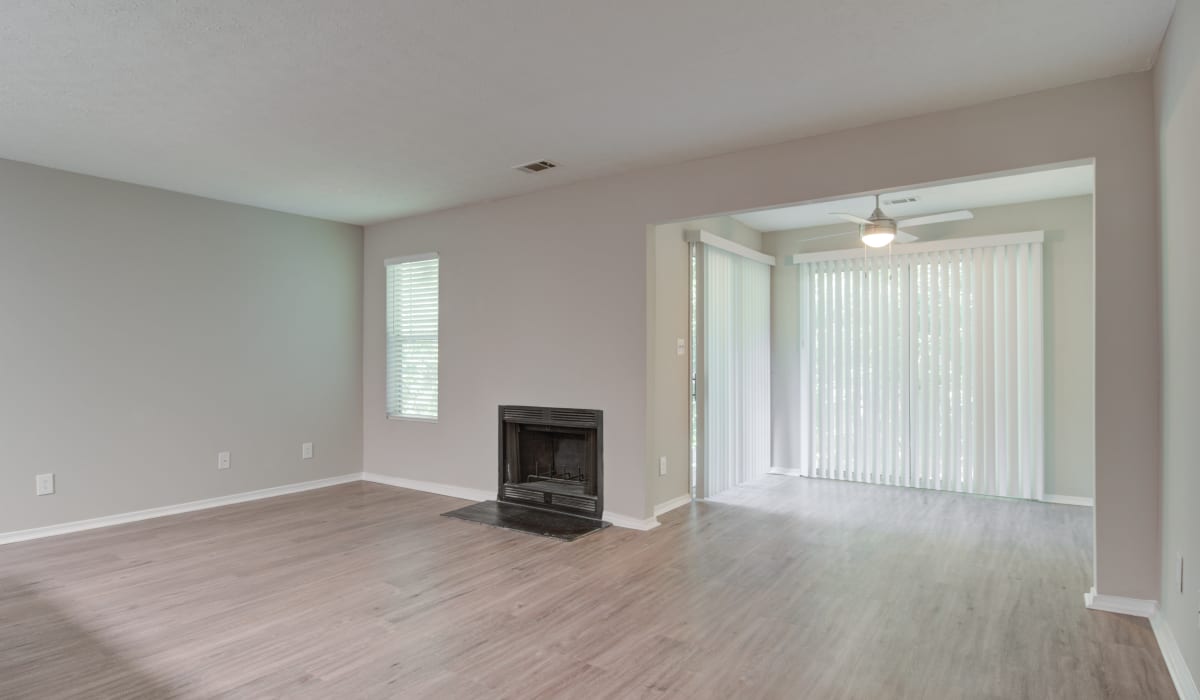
point(373, 109)
point(989, 192)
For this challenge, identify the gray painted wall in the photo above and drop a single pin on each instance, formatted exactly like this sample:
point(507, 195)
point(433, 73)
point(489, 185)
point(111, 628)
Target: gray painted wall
point(1069, 326)
point(1178, 101)
point(143, 331)
point(594, 313)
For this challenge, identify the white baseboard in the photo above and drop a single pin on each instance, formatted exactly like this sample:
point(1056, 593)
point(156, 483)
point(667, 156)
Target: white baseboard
point(147, 514)
point(1069, 500)
point(1185, 684)
point(784, 472)
point(463, 492)
point(668, 506)
point(631, 522)
point(1119, 604)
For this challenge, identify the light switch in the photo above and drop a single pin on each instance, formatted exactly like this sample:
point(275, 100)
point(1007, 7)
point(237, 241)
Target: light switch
point(45, 484)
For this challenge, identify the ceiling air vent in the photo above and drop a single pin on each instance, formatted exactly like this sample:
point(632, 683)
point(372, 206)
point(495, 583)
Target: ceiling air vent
point(535, 167)
point(899, 200)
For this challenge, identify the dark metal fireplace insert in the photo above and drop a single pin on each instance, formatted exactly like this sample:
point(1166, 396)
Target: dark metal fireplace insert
point(551, 459)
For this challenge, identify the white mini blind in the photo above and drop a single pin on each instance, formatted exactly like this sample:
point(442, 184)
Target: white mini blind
point(412, 337)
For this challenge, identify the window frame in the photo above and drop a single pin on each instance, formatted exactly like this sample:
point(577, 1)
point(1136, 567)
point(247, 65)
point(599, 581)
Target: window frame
point(387, 335)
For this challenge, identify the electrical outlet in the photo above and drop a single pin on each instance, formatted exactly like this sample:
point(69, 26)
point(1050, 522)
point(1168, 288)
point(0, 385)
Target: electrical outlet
point(45, 484)
point(306, 450)
point(680, 346)
point(222, 460)
point(662, 466)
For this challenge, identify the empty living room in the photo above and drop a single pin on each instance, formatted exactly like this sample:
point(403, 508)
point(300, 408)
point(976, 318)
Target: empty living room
point(599, 349)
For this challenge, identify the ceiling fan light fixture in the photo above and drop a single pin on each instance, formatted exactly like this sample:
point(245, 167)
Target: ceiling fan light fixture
point(877, 235)
point(881, 230)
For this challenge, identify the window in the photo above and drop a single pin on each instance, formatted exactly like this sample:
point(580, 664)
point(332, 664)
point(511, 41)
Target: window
point(412, 337)
point(925, 368)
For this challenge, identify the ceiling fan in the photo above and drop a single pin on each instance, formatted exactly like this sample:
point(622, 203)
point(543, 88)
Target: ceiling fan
point(880, 230)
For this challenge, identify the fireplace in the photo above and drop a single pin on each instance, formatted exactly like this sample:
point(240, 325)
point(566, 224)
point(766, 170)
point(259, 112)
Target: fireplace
point(551, 459)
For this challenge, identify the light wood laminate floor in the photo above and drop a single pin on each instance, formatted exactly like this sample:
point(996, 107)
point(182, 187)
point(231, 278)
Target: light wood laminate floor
point(788, 588)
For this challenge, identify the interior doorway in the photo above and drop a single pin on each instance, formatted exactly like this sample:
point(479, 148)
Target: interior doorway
point(915, 364)
point(882, 369)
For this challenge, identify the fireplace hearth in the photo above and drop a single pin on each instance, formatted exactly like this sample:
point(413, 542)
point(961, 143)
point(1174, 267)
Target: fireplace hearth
point(551, 459)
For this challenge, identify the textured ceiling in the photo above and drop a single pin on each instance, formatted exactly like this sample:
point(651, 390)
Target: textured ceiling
point(934, 199)
point(368, 110)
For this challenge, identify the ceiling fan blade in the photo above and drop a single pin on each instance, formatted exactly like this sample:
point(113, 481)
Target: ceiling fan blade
point(905, 237)
point(851, 217)
point(960, 215)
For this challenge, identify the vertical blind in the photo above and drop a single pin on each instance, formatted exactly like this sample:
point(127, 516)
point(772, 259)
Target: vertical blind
point(734, 370)
point(925, 369)
point(412, 337)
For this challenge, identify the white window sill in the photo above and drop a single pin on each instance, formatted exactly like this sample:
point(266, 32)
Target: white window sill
point(416, 419)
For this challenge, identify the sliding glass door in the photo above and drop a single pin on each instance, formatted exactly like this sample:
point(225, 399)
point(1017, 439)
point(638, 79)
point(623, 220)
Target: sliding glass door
point(731, 322)
point(925, 369)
